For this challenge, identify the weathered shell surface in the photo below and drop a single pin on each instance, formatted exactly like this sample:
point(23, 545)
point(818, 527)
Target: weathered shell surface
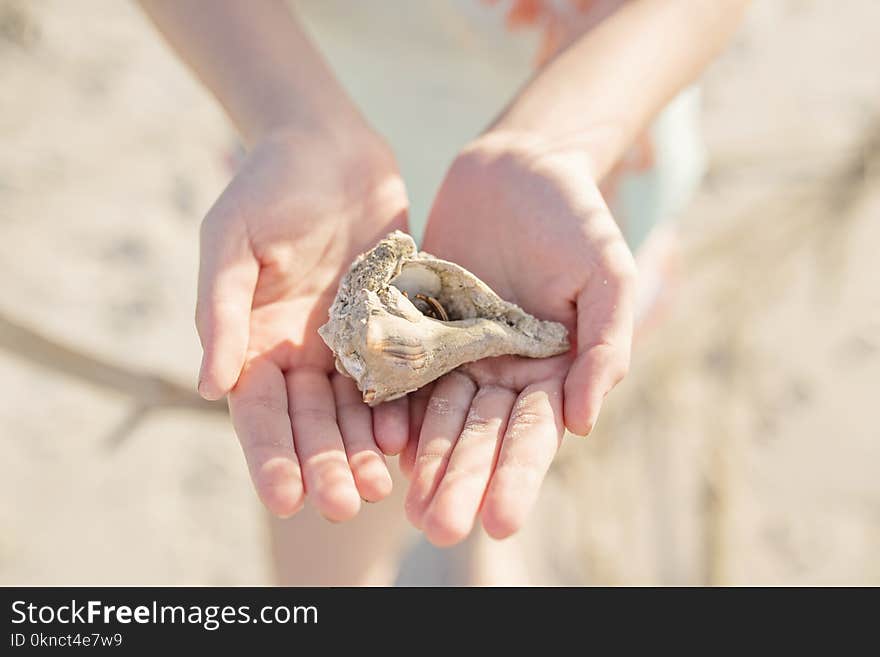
point(383, 339)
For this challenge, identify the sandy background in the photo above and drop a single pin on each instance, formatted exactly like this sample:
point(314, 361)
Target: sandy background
point(743, 448)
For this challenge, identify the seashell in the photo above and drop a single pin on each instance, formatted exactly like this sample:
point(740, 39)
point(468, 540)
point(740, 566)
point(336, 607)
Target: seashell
point(402, 319)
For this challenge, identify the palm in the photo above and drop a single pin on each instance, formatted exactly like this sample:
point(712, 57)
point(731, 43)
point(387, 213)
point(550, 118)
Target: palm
point(273, 249)
point(280, 330)
point(538, 232)
point(291, 302)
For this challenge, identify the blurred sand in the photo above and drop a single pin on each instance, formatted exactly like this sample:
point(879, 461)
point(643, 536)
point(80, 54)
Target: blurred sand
point(743, 448)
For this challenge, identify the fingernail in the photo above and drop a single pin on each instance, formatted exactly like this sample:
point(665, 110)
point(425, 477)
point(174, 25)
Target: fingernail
point(203, 390)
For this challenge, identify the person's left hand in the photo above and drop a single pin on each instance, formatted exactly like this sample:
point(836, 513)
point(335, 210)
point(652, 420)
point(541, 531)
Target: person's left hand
point(532, 224)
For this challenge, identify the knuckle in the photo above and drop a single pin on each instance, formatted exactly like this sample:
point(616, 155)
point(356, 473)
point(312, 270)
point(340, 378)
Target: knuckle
point(466, 475)
point(523, 424)
point(439, 405)
point(620, 265)
point(430, 457)
point(625, 272)
point(526, 471)
point(475, 424)
point(209, 313)
point(525, 416)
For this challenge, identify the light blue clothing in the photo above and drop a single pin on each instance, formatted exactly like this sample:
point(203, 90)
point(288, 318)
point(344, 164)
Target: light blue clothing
point(647, 198)
point(430, 75)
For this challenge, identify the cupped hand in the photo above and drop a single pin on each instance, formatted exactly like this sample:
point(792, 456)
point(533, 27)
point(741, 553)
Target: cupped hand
point(273, 248)
point(531, 223)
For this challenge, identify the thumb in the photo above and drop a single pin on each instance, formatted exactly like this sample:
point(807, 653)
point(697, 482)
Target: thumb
point(604, 337)
point(228, 271)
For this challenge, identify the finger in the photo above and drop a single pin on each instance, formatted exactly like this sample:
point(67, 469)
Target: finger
point(258, 407)
point(228, 273)
point(326, 473)
point(515, 372)
point(453, 509)
point(444, 418)
point(533, 435)
point(418, 403)
point(355, 422)
point(391, 425)
point(604, 338)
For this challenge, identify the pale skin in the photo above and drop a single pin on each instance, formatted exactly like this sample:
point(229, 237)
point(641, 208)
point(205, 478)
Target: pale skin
point(319, 186)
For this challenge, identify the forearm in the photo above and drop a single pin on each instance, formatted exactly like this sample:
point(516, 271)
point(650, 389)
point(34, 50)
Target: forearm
point(256, 60)
point(599, 93)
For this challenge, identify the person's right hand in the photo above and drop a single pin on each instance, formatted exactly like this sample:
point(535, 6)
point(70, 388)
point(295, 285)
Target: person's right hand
point(273, 248)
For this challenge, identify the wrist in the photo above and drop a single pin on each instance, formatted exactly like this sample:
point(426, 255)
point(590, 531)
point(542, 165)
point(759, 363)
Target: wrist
point(342, 163)
point(503, 151)
point(340, 138)
point(276, 114)
point(594, 147)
